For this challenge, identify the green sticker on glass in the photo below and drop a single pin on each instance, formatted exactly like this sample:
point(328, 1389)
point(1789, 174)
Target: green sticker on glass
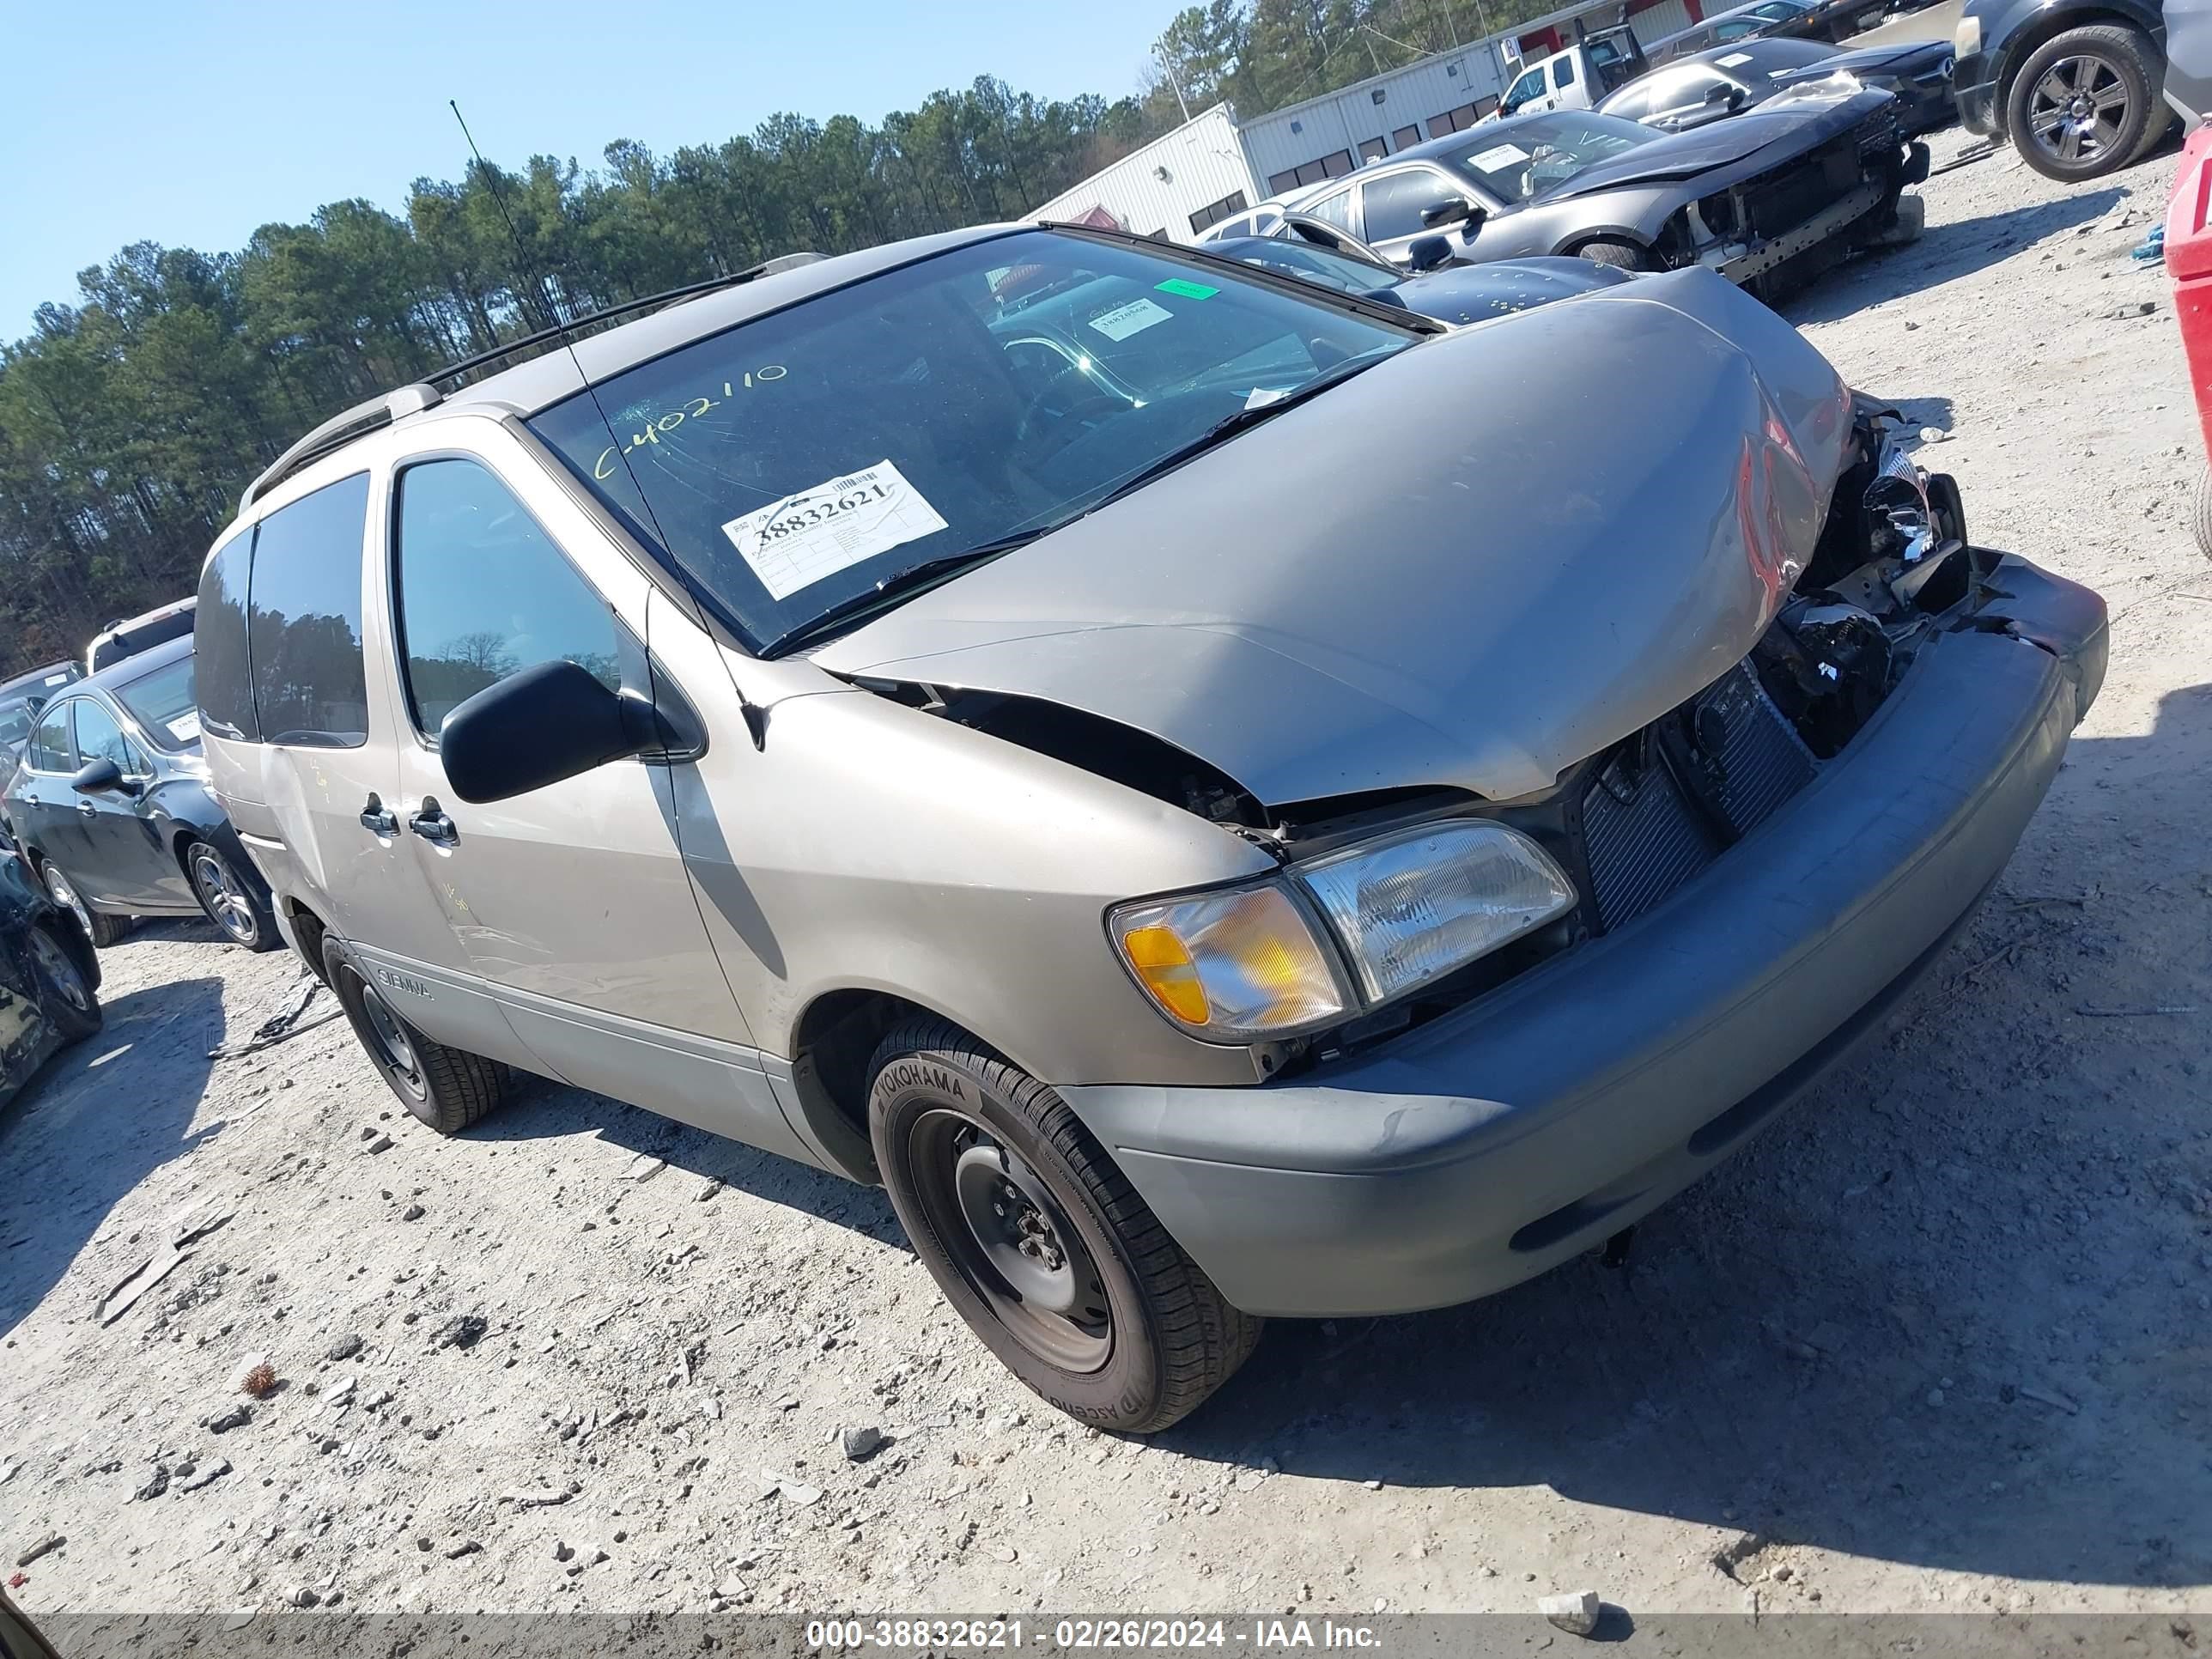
point(1188, 290)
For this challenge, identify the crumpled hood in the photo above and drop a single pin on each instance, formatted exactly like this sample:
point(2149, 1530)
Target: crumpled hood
point(1781, 134)
point(1473, 565)
point(1901, 57)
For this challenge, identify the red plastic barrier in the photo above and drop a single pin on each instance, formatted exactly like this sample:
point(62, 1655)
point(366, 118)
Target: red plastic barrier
point(2189, 263)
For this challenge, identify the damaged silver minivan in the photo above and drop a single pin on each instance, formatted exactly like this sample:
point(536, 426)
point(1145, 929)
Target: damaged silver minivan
point(1227, 798)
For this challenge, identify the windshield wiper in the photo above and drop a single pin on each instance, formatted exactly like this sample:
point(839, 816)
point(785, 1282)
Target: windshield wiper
point(903, 584)
point(1250, 415)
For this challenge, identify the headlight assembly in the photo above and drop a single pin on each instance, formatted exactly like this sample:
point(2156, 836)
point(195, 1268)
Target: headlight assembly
point(1414, 906)
point(1401, 911)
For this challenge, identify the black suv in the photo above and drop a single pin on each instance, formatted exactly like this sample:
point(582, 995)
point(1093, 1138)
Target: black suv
point(2074, 85)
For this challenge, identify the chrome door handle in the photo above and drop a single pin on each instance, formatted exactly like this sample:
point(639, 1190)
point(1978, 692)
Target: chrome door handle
point(433, 826)
point(378, 817)
point(88, 809)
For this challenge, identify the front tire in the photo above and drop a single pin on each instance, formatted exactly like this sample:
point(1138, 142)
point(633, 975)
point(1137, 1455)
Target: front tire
point(101, 930)
point(235, 903)
point(72, 1005)
point(448, 1089)
point(1621, 255)
point(1038, 1240)
point(2082, 103)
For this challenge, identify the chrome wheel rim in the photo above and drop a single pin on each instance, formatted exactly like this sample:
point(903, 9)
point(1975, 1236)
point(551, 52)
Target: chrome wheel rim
point(388, 1036)
point(1008, 1237)
point(2077, 108)
point(225, 900)
point(60, 973)
point(58, 889)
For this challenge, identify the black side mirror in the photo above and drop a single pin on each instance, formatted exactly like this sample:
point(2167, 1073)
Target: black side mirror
point(535, 728)
point(101, 777)
point(1450, 211)
point(1428, 253)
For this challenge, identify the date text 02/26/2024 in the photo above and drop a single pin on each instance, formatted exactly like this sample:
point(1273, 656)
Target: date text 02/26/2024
point(1087, 1635)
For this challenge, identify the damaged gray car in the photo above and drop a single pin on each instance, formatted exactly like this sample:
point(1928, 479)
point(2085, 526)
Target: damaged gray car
point(1268, 827)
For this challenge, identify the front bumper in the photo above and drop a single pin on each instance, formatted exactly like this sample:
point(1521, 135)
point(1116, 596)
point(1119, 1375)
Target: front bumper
point(1499, 1141)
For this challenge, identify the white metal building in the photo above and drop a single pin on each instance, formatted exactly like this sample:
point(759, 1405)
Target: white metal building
point(1213, 165)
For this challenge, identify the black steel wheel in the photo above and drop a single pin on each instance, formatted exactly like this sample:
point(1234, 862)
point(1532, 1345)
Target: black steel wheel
point(1039, 1241)
point(448, 1089)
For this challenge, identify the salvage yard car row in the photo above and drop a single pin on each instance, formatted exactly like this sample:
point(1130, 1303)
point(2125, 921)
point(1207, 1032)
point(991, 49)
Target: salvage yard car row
point(1235, 783)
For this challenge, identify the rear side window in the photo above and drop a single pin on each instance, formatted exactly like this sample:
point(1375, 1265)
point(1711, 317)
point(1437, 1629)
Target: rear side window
point(225, 687)
point(1563, 72)
point(484, 592)
point(303, 626)
point(49, 749)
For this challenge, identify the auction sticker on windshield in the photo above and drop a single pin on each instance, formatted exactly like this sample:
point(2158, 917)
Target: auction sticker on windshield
point(1497, 157)
point(812, 536)
point(1122, 321)
point(1732, 59)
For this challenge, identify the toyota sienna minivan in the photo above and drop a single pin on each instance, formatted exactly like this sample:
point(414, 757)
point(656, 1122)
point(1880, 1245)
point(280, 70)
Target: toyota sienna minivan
point(1160, 765)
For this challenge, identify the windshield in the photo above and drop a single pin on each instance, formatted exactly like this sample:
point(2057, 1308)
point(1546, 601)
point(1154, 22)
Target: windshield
point(1316, 264)
point(792, 463)
point(162, 703)
point(1539, 153)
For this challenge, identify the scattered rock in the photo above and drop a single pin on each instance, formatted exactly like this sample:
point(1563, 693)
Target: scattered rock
point(206, 1476)
point(236, 1418)
point(46, 1546)
point(862, 1443)
point(381, 1143)
point(345, 1348)
point(412, 1212)
point(462, 1331)
point(156, 1484)
point(1934, 434)
point(2050, 1397)
point(644, 1167)
point(563, 1550)
point(303, 1596)
point(1005, 1553)
point(2129, 312)
point(1935, 1396)
point(705, 1194)
point(1576, 1614)
point(466, 1547)
point(734, 1589)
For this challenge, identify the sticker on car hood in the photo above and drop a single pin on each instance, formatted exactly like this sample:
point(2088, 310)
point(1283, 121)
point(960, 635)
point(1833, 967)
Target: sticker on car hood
point(812, 536)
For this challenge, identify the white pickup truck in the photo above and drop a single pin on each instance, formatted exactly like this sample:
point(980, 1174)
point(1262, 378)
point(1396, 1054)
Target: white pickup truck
point(1579, 76)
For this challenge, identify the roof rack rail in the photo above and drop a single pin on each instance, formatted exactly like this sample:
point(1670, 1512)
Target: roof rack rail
point(361, 419)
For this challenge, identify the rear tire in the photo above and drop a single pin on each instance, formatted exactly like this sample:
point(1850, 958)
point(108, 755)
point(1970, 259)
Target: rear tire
point(448, 1089)
point(235, 902)
point(102, 930)
point(1038, 1240)
point(2085, 102)
point(1621, 255)
point(72, 1005)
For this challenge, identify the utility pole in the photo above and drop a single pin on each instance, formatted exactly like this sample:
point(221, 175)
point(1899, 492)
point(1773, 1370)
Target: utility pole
point(1160, 52)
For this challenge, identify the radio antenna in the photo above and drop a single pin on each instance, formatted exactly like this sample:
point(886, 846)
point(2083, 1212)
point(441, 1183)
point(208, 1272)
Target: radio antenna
point(530, 269)
point(755, 717)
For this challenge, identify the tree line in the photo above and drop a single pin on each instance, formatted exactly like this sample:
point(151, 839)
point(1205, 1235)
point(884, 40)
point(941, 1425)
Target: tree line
point(131, 420)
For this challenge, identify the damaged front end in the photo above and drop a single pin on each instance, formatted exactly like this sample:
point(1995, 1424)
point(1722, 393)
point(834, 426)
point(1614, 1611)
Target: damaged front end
point(1778, 229)
point(1893, 573)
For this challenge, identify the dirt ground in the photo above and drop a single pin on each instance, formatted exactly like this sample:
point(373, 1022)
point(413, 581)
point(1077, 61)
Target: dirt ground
point(1942, 1340)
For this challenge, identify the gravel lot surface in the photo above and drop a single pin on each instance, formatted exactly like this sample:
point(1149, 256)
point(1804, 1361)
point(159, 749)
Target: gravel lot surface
point(1941, 1341)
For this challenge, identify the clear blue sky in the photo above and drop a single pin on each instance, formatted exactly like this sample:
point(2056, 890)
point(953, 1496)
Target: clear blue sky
point(194, 125)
